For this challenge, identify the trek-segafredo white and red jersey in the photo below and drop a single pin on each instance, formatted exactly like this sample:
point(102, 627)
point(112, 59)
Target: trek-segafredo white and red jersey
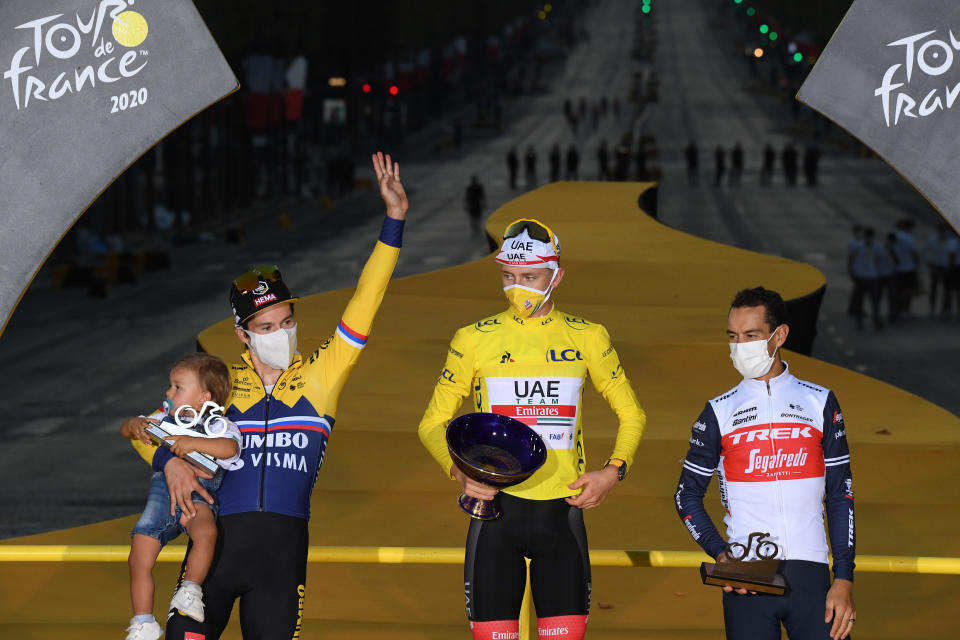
point(779, 449)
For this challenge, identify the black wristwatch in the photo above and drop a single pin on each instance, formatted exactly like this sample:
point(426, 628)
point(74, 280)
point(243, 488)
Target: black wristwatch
point(621, 469)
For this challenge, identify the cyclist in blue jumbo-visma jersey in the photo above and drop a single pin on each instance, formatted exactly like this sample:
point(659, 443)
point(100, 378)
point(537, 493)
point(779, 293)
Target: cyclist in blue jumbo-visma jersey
point(284, 406)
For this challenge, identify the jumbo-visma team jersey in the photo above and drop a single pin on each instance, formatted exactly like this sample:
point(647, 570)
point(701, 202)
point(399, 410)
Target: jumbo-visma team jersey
point(285, 433)
point(534, 370)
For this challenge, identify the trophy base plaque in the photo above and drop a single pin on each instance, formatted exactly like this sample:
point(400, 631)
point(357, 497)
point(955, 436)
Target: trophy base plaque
point(761, 576)
point(199, 460)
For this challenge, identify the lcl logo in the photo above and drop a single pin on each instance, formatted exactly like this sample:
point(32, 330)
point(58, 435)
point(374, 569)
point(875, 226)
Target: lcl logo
point(564, 355)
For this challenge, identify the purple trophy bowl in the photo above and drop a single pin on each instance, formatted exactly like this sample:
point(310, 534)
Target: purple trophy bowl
point(495, 450)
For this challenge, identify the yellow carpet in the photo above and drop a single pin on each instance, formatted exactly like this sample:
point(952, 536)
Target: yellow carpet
point(663, 295)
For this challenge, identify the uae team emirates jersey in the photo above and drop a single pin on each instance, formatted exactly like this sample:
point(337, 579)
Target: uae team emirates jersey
point(534, 370)
point(779, 449)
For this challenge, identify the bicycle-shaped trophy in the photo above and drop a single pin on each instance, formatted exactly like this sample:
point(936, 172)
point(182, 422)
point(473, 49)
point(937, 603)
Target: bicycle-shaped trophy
point(761, 575)
point(201, 424)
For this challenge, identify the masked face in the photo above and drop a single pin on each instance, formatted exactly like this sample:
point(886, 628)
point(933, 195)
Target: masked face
point(525, 301)
point(752, 359)
point(276, 349)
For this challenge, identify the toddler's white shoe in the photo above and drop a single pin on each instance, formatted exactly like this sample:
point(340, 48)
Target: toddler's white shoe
point(188, 600)
point(144, 630)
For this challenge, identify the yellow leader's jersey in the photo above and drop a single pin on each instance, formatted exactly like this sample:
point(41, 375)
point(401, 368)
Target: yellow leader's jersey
point(533, 370)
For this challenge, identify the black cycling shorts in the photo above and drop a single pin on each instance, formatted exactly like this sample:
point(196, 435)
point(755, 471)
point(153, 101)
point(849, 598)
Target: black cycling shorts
point(800, 610)
point(261, 558)
point(552, 535)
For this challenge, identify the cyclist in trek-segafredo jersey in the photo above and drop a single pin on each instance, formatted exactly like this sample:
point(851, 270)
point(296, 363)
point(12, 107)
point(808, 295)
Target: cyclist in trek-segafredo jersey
point(779, 448)
point(284, 405)
point(530, 363)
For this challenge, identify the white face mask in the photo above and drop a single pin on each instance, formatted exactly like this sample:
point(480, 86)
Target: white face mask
point(275, 349)
point(525, 301)
point(751, 359)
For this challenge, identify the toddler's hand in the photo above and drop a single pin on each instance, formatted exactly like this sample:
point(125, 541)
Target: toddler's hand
point(135, 429)
point(183, 445)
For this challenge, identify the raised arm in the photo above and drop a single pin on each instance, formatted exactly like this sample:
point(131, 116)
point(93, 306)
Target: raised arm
point(363, 306)
point(351, 333)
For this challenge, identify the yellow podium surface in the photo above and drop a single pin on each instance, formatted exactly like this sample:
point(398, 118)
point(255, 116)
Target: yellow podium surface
point(663, 295)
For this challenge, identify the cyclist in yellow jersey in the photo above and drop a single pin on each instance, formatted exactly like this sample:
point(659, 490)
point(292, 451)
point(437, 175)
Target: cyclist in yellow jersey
point(530, 363)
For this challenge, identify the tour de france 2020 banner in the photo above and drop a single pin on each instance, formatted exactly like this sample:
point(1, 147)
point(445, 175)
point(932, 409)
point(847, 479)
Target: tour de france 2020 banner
point(88, 86)
point(891, 76)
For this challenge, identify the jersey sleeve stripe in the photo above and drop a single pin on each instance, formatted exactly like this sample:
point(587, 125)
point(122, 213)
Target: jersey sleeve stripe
point(838, 463)
point(687, 462)
point(356, 339)
point(689, 466)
